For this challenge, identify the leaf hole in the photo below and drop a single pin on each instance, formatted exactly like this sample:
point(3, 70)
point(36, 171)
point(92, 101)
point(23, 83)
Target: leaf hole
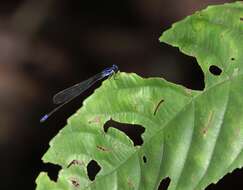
point(241, 18)
point(164, 184)
point(134, 132)
point(188, 73)
point(215, 70)
point(93, 169)
point(52, 171)
point(230, 180)
point(144, 159)
point(232, 58)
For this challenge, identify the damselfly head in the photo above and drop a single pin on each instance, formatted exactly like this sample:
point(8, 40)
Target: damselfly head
point(115, 68)
point(109, 71)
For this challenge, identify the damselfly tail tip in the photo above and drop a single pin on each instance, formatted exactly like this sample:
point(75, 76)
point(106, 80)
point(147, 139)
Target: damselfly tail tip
point(44, 118)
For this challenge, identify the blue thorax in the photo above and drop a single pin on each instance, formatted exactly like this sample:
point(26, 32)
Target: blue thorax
point(109, 71)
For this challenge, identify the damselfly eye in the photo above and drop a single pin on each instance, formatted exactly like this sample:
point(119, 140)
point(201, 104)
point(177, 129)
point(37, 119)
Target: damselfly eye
point(115, 68)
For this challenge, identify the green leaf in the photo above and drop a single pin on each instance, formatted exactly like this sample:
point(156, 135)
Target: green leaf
point(192, 137)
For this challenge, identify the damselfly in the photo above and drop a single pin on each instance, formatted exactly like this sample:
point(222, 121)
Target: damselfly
point(72, 92)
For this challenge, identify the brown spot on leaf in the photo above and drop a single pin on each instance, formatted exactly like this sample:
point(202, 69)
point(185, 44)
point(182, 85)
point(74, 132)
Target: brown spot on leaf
point(188, 91)
point(204, 131)
point(158, 106)
point(95, 120)
point(75, 182)
point(208, 123)
point(102, 148)
point(75, 162)
point(237, 132)
point(130, 183)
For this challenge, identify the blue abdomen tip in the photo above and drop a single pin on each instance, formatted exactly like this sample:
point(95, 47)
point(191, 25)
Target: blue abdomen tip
point(43, 118)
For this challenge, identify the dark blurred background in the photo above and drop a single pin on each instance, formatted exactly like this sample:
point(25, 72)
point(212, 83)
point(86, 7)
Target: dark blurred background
point(48, 45)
